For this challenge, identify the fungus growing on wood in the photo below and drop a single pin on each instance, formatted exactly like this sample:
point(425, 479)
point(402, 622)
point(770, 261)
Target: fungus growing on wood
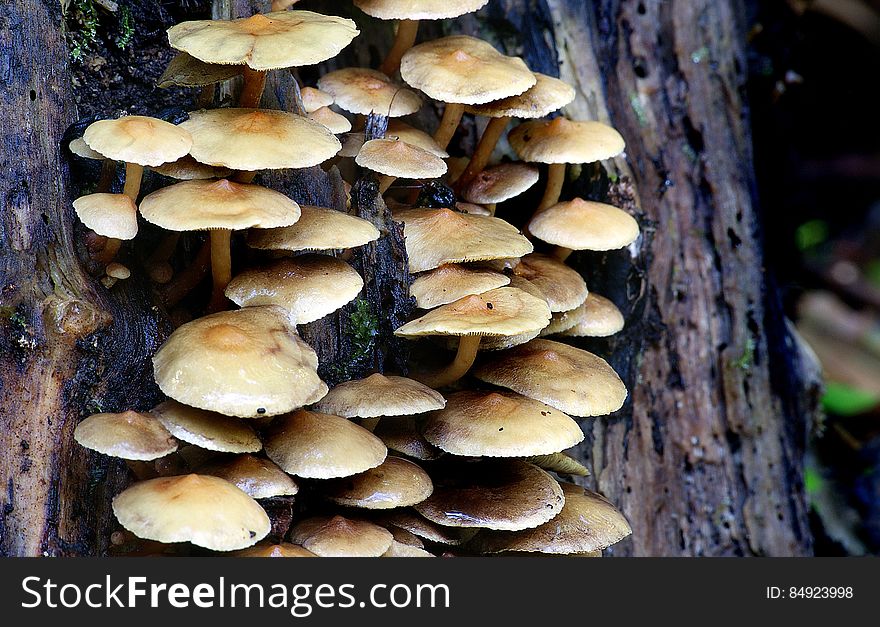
point(597, 317)
point(396, 482)
point(130, 435)
point(450, 282)
point(380, 395)
point(256, 476)
point(364, 91)
point(396, 159)
point(206, 429)
point(318, 228)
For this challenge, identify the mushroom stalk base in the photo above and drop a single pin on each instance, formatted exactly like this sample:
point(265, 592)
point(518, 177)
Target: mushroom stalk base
point(370, 424)
point(552, 192)
point(252, 91)
point(561, 253)
point(108, 172)
point(468, 345)
point(407, 30)
point(448, 124)
point(221, 267)
point(385, 182)
point(111, 248)
point(134, 173)
point(483, 152)
point(187, 279)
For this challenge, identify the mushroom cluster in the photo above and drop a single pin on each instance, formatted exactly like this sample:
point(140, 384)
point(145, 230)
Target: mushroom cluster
point(250, 451)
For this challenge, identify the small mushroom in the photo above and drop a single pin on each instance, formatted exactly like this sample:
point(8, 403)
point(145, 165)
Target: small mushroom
point(414, 137)
point(332, 121)
point(206, 429)
point(365, 91)
point(597, 317)
point(257, 477)
point(314, 99)
point(318, 228)
point(562, 288)
point(584, 225)
point(113, 216)
point(499, 183)
point(285, 549)
point(403, 436)
point(397, 159)
point(337, 536)
point(396, 482)
point(450, 282)
point(380, 395)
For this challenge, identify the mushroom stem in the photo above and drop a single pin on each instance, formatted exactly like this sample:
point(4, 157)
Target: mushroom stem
point(403, 41)
point(483, 151)
point(141, 470)
point(468, 345)
point(108, 172)
point(245, 177)
point(157, 264)
point(552, 192)
point(252, 90)
point(110, 250)
point(221, 266)
point(491, 208)
point(134, 173)
point(370, 424)
point(385, 182)
point(206, 96)
point(189, 277)
point(561, 253)
point(452, 115)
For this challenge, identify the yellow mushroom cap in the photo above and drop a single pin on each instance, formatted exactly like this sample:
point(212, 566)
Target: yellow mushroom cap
point(307, 287)
point(245, 363)
point(585, 225)
point(564, 141)
point(258, 139)
point(223, 204)
point(505, 495)
point(439, 236)
point(206, 511)
point(547, 95)
point(257, 477)
point(332, 121)
point(562, 376)
point(267, 41)
point(188, 169)
point(562, 288)
point(418, 9)
point(502, 311)
point(403, 436)
point(364, 91)
point(341, 537)
point(397, 158)
point(285, 549)
point(187, 71)
point(127, 435)
point(414, 137)
point(138, 139)
point(394, 483)
point(479, 424)
point(501, 182)
point(207, 429)
point(465, 70)
point(559, 463)
point(598, 317)
point(80, 148)
point(320, 446)
point(450, 282)
point(110, 215)
point(380, 395)
point(318, 228)
point(587, 523)
point(314, 99)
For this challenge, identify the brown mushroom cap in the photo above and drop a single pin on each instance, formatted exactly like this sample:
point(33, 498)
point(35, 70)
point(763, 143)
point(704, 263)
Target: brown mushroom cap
point(509, 495)
point(267, 41)
point(341, 537)
point(414, 137)
point(394, 483)
point(80, 148)
point(585, 225)
point(496, 424)
point(207, 429)
point(138, 139)
point(246, 363)
point(320, 446)
point(332, 121)
point(314, 99)
point(562, 376)
point(307, 287)
point(188, 169)
point(128, 435)
point(318, 228)
point(600, 318)
point(450, 282)
point(463, 69)
point(587, 523)
point(110, 215)
point(364, 91)
point(399, 549)
point(439, 236)
point(187, 71)
point(402, 435)
point(380, 395)
point(546, 96)
point(563, 141)
point(413, 522)
point(257, 477)
point(397, 158)
point(223, 204)
point(502, 311)
point(564, 320)
point(501, 182)
point(206, 511)
point(562, 288)
point(285, 549)
point(258, 139)
point(418, 9)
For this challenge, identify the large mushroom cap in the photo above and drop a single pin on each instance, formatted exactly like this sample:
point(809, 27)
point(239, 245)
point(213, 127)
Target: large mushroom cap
point(501, 182)
point(495, 424)
point(258, 139)
point(223, 204)
point(562, 288)
point(187, 71)
point(394, 483)
point(378, 395)
point(128, 435)
point(450, 282)
point(418, 9)
point(285, 549)
point(597, 317)
point(257, 477)
point(318, 228)
point(110, 215)
point(397, 158)
point(563, 141)
point(510, 495)
point(206, 429)
point(138, 139)
point(439, 236)
point(562, 376)
point(414, 137)
point(463, 69)
point(320, 446)
point(502, 311)
point(246, 363)
point(207, 511)
point(365, 91)
point(585, 225)
point(265, 41)
point(587, 523)
point(546, 96)
point(341, 537)
point(307, 287)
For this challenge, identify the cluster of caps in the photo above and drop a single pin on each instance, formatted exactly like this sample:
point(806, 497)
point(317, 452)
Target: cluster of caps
point(392, 466)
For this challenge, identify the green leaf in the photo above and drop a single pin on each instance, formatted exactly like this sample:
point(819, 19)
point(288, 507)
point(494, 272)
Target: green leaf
point(810, 234)
point(844, 400)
